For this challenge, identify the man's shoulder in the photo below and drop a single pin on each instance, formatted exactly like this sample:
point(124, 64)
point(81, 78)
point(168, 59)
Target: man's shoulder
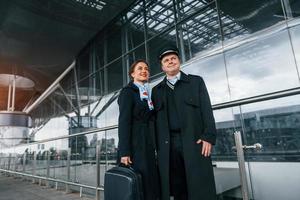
point(194, 77)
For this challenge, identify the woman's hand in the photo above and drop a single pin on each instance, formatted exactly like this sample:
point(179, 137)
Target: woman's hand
point(126, 160)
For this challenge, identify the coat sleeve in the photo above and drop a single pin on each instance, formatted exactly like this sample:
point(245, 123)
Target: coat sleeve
point(153, 98)
point(209, 133)
point(125, 102)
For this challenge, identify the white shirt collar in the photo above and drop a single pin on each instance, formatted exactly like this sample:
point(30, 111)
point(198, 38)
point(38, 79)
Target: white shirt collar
point(174, 79)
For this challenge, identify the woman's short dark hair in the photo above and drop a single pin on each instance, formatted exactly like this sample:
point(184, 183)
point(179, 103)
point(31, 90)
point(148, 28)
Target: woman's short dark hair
point(133, 65)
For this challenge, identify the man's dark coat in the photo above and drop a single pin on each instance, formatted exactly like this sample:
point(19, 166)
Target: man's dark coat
point(197, 122)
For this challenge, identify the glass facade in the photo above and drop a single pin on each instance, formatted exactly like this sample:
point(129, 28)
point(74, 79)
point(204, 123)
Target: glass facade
point(242, 49)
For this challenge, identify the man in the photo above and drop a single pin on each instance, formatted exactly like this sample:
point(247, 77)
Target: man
point(185, 132)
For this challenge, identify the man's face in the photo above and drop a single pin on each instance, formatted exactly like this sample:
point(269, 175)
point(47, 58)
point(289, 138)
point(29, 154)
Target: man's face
point(170, 64)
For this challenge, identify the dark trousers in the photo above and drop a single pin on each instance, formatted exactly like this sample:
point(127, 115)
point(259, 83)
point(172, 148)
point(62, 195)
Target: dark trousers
point(178, 185)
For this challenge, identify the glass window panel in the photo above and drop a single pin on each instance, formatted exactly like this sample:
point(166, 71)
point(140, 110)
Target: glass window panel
point(29, 159)
point(60, 102)
point(190, 7)
point(89, 88)
point(138, 53)
point(134, 25)
point(211, 69)
point(295, 38)
point(201, 31)
point(83, 64)
point(293, 6)
point(98, 110)
point(103, 155)
point(55, 127)
point(160, 16)
point(59, 162)
point(86, 166)
point(68, 81)
point(275, 124)
point(226, 124)
point(114, 72)
point(112, 142)
point(99, 52)
point(240, 18)
point(262, 66)
point(113, 42)
point(107, 111)
point(112, 111)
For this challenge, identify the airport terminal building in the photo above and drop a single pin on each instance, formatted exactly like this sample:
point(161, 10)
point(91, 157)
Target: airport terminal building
point(63, 63)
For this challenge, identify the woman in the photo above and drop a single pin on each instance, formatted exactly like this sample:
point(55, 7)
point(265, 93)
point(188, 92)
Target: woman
point(136, 137)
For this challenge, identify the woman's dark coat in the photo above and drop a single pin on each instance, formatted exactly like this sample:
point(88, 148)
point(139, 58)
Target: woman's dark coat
point(136, 137)
point(197, 122)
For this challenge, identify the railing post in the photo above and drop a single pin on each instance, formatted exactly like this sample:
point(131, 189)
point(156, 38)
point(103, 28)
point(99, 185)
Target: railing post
point(9, 162)
point(24, 163)
point(16, 163)
point(68, 170)
point(34, 166)
point(48, 168)
point(241, 162)
point(98, 168)
point(4, 167)
point(80, 192)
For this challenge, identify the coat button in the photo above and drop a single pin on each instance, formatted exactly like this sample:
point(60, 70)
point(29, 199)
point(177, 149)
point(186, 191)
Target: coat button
point(166, 142)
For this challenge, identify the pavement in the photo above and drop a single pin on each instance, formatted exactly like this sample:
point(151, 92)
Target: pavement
point(12, 188)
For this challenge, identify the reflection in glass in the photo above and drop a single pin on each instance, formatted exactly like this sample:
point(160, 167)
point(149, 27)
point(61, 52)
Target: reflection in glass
point(226, 125)
point(160, 16)
point(133, 25)
point(55, 127)
point(201, 31)
point(292, 8)
point(212, 69)
point(86, 164)
point(59, 160)
point(112, 111)
point(275, 124)
point(115, 75)
point(240, 18)
point(113, 41)
point(262, 66)
point(110, 146)
point(83, 64)
point(295, 38)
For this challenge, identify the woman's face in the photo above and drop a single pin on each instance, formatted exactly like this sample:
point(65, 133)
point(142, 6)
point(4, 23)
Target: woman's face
point(140, 73)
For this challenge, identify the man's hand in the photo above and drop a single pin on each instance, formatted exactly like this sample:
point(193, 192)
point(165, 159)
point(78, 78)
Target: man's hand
point(206, 147)
point(126, 160)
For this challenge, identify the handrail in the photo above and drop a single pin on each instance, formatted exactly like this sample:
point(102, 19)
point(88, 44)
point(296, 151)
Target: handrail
point(69, 136)
point(259, 98)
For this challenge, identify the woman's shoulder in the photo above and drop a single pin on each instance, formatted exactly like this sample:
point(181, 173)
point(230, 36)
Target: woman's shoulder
point(128, 91)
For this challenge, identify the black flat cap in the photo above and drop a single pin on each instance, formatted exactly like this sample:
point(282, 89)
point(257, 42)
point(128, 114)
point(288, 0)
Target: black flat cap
point(168, 50)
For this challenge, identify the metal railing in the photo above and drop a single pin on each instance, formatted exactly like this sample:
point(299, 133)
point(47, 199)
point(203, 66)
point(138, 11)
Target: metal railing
point(48, 179)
